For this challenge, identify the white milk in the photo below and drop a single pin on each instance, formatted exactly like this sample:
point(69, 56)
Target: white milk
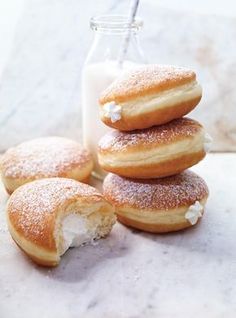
point(96, 77)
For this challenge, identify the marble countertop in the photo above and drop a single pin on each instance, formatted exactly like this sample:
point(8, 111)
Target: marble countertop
point(132, 274)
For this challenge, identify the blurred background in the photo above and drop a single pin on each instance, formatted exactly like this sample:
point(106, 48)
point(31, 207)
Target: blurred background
point(43, 45)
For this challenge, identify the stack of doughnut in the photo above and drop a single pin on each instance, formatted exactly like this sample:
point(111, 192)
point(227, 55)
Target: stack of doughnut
point(150, 147)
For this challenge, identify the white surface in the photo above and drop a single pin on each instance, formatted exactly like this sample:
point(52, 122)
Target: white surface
point(10, 12)
point(133, 274)
point(218, 7)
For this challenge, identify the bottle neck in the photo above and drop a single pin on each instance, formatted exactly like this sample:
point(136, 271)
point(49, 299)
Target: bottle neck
point(114, 24)
point(109, 35)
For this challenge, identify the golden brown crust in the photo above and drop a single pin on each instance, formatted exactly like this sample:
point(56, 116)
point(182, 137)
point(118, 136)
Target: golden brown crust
point(138, 140)
point(149, 79)
point(43, 158)
point(154, 117)
point(154, 228)
point(42, 262)
point(155, 152)
point(10, 191)
point(160, 169)
point(33, 208)
point(35, 212)
point(156, 205)
point(37, 260)
point(155, 194)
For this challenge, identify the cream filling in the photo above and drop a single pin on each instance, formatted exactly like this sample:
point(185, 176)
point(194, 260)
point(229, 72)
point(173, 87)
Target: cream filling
point(76, 231)
point(194, 213)
point(149, 103)
point(154, 155)
point(112, 111)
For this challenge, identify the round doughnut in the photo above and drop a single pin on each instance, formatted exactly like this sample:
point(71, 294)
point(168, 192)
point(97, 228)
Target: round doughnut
point(154, 152)
point(46, 217)
point(157, 205)
point(149, 95)
point(44, 158)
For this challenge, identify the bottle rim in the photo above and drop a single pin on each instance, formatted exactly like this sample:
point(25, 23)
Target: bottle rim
point(114, 23)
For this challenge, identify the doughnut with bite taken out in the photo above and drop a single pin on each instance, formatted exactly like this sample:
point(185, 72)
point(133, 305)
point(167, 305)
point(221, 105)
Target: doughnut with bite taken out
point(46, 217)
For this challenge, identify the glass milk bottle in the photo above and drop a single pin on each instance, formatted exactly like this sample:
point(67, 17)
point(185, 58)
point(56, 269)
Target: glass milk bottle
point(101, 68)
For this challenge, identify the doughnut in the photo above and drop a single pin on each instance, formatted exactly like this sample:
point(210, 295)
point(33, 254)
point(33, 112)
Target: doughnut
point(46, 217)
point(157, 205)
point(154, 152)
point(149, 95)
point(44, 158)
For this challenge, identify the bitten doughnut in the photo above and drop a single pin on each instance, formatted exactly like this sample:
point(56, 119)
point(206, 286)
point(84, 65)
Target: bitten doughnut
point(157, 205)
point(43, 158)
point(149, 95)
point(154, 152)
point(46, 217)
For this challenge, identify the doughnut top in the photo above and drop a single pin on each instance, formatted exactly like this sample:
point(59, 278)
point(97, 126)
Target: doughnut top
point(165, 134)
point(43, 157)
point(33, 207)
point(146, 80)
point(164, 194)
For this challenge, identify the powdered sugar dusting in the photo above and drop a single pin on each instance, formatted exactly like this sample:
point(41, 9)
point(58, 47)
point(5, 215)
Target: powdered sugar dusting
point(144, 79)
point(166, 193)
point(33, 206)
point(43, 157)
point(117, 140)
